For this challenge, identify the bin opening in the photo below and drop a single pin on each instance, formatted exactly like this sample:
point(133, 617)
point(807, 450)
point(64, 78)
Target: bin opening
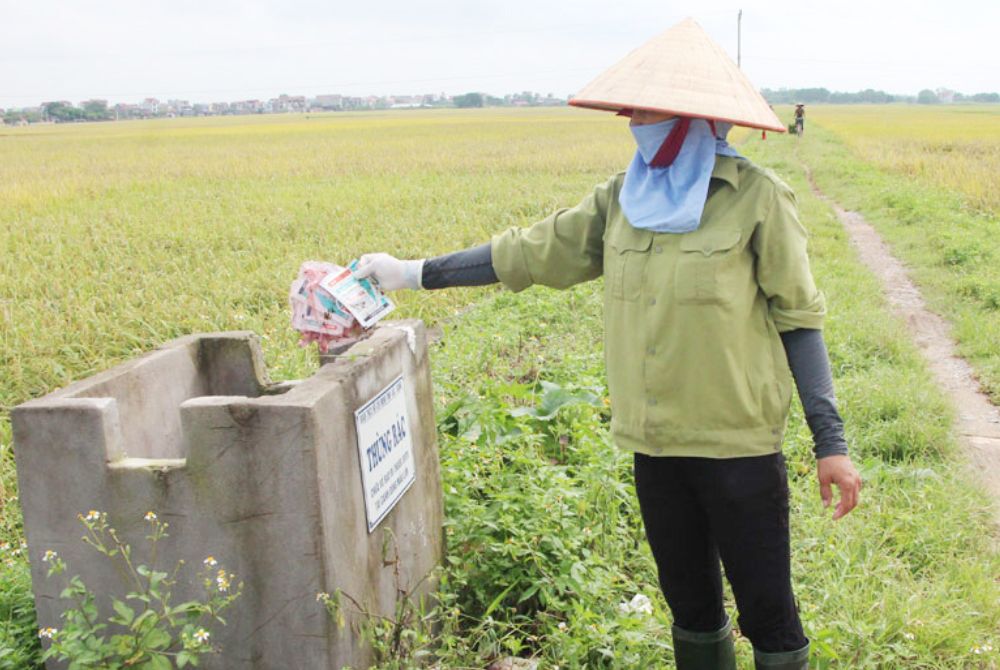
point(150, 390)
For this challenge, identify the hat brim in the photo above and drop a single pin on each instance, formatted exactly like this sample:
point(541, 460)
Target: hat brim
point(681, 72)
point(613, 107)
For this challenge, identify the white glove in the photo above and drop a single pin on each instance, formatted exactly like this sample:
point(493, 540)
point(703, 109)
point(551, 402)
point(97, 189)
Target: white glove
point(390, 272)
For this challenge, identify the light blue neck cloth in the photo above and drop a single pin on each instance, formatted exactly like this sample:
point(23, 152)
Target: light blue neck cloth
point(671, 199)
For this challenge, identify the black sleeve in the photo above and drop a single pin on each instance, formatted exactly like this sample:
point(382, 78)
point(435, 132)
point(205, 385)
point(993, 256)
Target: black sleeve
point(471, 267)
point(810, 364)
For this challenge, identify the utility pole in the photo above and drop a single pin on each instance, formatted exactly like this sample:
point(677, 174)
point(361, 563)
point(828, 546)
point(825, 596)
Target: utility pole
point(739, 39)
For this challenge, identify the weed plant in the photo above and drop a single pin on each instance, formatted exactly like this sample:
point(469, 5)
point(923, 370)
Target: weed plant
point(147, 631)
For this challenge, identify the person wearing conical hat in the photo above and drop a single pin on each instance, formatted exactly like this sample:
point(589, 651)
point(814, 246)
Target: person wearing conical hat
point(711, 313)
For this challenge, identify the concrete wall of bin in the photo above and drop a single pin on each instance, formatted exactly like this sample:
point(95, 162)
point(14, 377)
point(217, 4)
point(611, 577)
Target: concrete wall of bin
point(264, 477)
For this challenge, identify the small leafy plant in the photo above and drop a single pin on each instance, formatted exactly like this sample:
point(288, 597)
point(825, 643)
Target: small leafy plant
point(146, 632)
point(398, 641)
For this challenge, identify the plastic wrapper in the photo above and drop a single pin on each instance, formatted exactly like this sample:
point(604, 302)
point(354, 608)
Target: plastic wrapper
point(321, 317)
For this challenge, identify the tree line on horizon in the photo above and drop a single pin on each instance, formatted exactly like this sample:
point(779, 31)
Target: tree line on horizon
point(98, 110)
point(790, 96)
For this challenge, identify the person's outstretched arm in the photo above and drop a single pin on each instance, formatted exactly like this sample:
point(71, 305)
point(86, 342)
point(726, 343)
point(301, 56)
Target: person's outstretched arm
point(469, 267)
point(562, 249)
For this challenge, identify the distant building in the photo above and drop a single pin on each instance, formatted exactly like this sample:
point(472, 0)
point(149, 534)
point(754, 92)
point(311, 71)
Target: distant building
point(123, 111)
point(247, 107)
point(150, 106)
point(178, 108)
point(329, 101)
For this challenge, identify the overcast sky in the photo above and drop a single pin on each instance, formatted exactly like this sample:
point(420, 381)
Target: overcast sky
point(220, 50)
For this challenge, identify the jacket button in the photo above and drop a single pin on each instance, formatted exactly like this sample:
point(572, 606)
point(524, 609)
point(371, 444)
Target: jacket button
point(652, 301)
point(651, 351)
point(651, 401)
point(658, 249)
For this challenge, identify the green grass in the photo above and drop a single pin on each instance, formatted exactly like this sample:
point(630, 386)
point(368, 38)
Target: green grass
point(166, 228)
point(949, 244)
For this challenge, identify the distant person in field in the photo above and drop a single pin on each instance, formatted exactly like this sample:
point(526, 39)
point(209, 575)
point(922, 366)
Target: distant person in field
point(800, 119)
point(711, 312)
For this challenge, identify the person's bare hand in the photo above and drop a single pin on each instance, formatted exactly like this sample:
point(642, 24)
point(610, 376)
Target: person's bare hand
point(839, 470)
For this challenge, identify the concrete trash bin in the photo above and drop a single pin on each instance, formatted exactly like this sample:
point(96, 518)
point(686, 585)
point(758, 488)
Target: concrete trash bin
point(265, 477)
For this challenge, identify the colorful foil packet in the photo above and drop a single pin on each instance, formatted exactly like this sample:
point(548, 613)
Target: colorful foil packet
point(332, 307)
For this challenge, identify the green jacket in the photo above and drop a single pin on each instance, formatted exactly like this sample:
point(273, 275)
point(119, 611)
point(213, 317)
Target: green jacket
point(691, 321)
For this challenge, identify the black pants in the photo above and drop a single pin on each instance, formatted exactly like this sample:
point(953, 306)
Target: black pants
point(696, 510)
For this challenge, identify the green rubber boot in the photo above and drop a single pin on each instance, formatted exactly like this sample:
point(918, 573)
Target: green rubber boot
point(782, 660)
point(704, 651)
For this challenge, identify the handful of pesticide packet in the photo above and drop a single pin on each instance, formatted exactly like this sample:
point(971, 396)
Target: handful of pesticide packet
point(332, 307)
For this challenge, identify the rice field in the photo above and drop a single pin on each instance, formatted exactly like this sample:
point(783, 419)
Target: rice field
point(956, 147)
point(116, 237)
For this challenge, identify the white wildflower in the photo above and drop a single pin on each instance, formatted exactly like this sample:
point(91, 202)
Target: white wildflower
point(640, 604)
point(47, 632)
point(150, 516)
point(201, 635)
point(210, 562)
point(49, 555)
point(93, 515)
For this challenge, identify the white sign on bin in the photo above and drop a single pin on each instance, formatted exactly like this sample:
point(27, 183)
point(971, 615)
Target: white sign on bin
point(385, 451)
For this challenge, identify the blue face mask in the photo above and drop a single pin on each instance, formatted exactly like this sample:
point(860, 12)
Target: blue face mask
point(722, 147)
point(671, 199)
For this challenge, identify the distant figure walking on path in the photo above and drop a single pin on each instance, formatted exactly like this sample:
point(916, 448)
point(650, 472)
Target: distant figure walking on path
point(710, 312)
point(800, 119)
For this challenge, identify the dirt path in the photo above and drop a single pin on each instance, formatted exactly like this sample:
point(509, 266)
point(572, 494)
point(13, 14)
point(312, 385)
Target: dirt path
point(977, 419)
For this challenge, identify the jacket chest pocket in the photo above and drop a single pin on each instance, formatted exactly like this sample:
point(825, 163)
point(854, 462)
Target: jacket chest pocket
point(625, 254)
point(705, 265)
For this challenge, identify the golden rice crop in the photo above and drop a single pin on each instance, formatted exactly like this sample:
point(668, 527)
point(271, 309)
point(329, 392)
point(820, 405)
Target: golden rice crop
point(954, 146)
point(115, 237)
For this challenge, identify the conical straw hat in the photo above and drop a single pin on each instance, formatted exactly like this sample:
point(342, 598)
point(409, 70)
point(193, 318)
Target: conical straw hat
point(683, 72)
